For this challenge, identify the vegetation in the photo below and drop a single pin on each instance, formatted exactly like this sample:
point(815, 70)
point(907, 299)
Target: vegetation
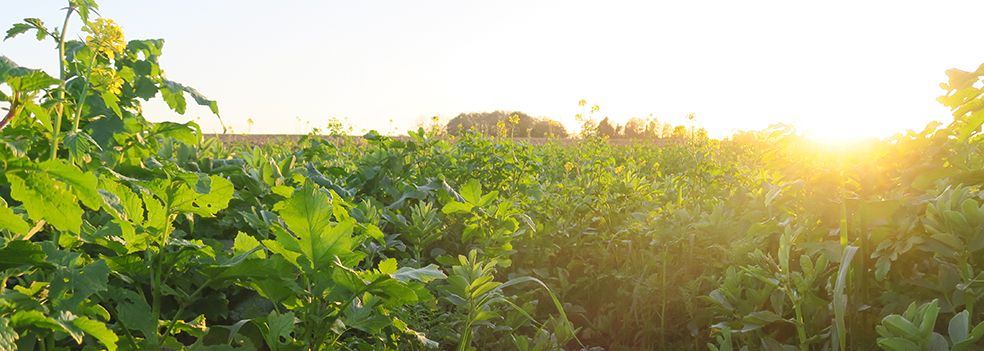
point(120, 234)
point(508, 124)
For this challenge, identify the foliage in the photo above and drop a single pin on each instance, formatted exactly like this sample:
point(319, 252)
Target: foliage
point(121, 234)
point(516, 124)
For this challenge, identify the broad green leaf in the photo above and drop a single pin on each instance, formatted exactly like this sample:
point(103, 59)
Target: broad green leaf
point(762, 317)
point(959, 327)
point(174, 98)
point(972, 338)
point(245, 243)
point(426, 274)
point(289, 254)
point(393, 292)
point(279, 326)
point(21, 253)
point(134, 313)
point(387, 266)
point(122, 202)
point(78, 283)
point(938, 343)
point(900, 326)
point(34, 318)
point(66, 319)
point(898, 344)
point(47, 199)
point(17, 147)
point(82, 184)
point(98, 330)
point(307, 213)
point(457, 207)
point(374, 232)
point(32, 81)
point(182, 132)
point(472, 192)
point(41, 114)
point(487, 199)
point(201, 100)
point(11, 221)
point(251, 268)
point(187, 199)
point(361, 317)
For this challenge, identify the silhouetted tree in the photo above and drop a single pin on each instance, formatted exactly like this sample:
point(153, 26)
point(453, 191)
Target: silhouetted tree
point(605, 129)
point(635, 128)
point(516, 124)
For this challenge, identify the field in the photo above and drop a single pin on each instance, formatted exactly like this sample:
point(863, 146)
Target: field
point(121, 234)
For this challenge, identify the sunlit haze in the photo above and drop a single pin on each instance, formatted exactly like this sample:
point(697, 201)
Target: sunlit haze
point(838, 68)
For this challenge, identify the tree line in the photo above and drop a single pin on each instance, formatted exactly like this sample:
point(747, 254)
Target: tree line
point(517, 124)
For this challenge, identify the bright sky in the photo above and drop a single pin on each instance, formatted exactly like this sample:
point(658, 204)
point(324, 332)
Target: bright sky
point(841, 68)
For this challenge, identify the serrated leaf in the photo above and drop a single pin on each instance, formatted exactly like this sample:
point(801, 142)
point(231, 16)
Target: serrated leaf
point(47, 199)
point(31, 81)
point(79, 284)
point(278, 326)
point(8, 336)
point(245, 243)
point(41, 114)
point(112, 101)
point(83, 185)
point(187, 199)
point(17, 29)
point(307, 213)
point(134, 313)
point(17, 147)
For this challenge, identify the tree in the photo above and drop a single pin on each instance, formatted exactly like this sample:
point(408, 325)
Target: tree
point(513, 124)
point(605, 129)
point(635, 128)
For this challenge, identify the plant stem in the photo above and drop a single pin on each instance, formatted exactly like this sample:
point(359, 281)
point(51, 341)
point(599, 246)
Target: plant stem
point(800, 326)
point(174, 321)
point(61, 91)
point(85, 92)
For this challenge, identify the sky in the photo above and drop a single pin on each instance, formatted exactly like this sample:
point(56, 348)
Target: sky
point(836, 68)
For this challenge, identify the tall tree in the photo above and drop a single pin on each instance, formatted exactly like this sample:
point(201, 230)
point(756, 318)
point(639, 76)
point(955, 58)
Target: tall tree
point(606, 129)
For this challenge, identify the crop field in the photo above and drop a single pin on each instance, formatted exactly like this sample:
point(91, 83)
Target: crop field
point(121, 234)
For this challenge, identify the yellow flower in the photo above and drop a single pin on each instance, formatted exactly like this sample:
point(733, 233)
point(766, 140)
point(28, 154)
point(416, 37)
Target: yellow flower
point(107, 37)
point(568, 166)
point(106, 79)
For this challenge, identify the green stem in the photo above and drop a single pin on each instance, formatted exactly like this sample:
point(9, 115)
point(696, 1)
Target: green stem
point(157, 274)
point(662, 314)
point(61, 91)
point(177, 315)
point(85, 92)
point(800, 326)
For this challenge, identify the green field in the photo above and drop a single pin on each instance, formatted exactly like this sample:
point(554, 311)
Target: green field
point(121, 234)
